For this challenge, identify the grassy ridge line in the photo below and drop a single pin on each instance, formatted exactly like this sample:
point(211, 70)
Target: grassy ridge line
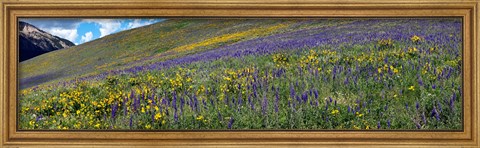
point(114, 51)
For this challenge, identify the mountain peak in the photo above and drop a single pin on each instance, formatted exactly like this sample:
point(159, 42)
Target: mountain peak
point(34, 41)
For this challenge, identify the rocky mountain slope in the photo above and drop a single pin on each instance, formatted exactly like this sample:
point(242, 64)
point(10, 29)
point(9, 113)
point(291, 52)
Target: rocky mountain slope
point(34, 42)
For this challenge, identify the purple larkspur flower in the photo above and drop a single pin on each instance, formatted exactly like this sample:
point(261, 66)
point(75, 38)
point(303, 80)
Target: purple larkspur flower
point(378, 125)
point(454, 96)
point(254, 87)
point(182, 103)
point(240, 99)
point(417, 105)
point(226, 100)
point(132, 94)
point(452, 104)
point(152, 117)
point(277, 99)
point(304, 97)
point(195, 103)
point(114, 110)
point(174, 102)
point(334, 72)
point(439, 106)
point(205, 104)
point(175, 116)
point(388, 123)
point(134, 104)
point(131, 121)
point(449, 73)
point(252, 106)
point(292, 91)
point(418, 125)
point(424, 120)
point(152, 97)
point(38, 118)
point(264, 105)
point(435, 113)
point(315, 92)
point(420, 81)
point(230, 123)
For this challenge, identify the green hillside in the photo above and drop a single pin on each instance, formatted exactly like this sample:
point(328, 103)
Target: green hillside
point(157, 42)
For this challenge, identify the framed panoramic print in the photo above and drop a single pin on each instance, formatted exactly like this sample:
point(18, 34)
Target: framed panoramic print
point(243, 73)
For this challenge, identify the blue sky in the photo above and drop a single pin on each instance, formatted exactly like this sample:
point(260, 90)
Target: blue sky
point(82, 30)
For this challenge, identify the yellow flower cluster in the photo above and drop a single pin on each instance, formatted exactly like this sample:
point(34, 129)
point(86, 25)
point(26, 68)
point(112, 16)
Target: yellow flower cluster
point(385, 67)
point(182, 79)
point(416, 39)
point(310, 59)
point(385, 43)
point(202, 119)
point(280, 60)
point(412, 49)
point(158, 116)
point(329, 53)
point(232, 36)
point(335, 112)
point(412, 88)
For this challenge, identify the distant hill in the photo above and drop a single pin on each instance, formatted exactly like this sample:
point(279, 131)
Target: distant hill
point(34, 42)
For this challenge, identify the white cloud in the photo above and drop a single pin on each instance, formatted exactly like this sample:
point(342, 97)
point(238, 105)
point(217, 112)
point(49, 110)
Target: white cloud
point(107, 26)
point(87, 37)
point(138, 23)
point(64, 28)
point(66, 23)
point(69, 34)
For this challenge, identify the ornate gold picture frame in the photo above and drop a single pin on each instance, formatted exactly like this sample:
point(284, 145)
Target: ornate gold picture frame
point(12, 10)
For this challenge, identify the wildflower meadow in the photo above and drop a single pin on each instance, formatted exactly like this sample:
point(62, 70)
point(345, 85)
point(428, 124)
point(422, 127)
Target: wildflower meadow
point(258, 74)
